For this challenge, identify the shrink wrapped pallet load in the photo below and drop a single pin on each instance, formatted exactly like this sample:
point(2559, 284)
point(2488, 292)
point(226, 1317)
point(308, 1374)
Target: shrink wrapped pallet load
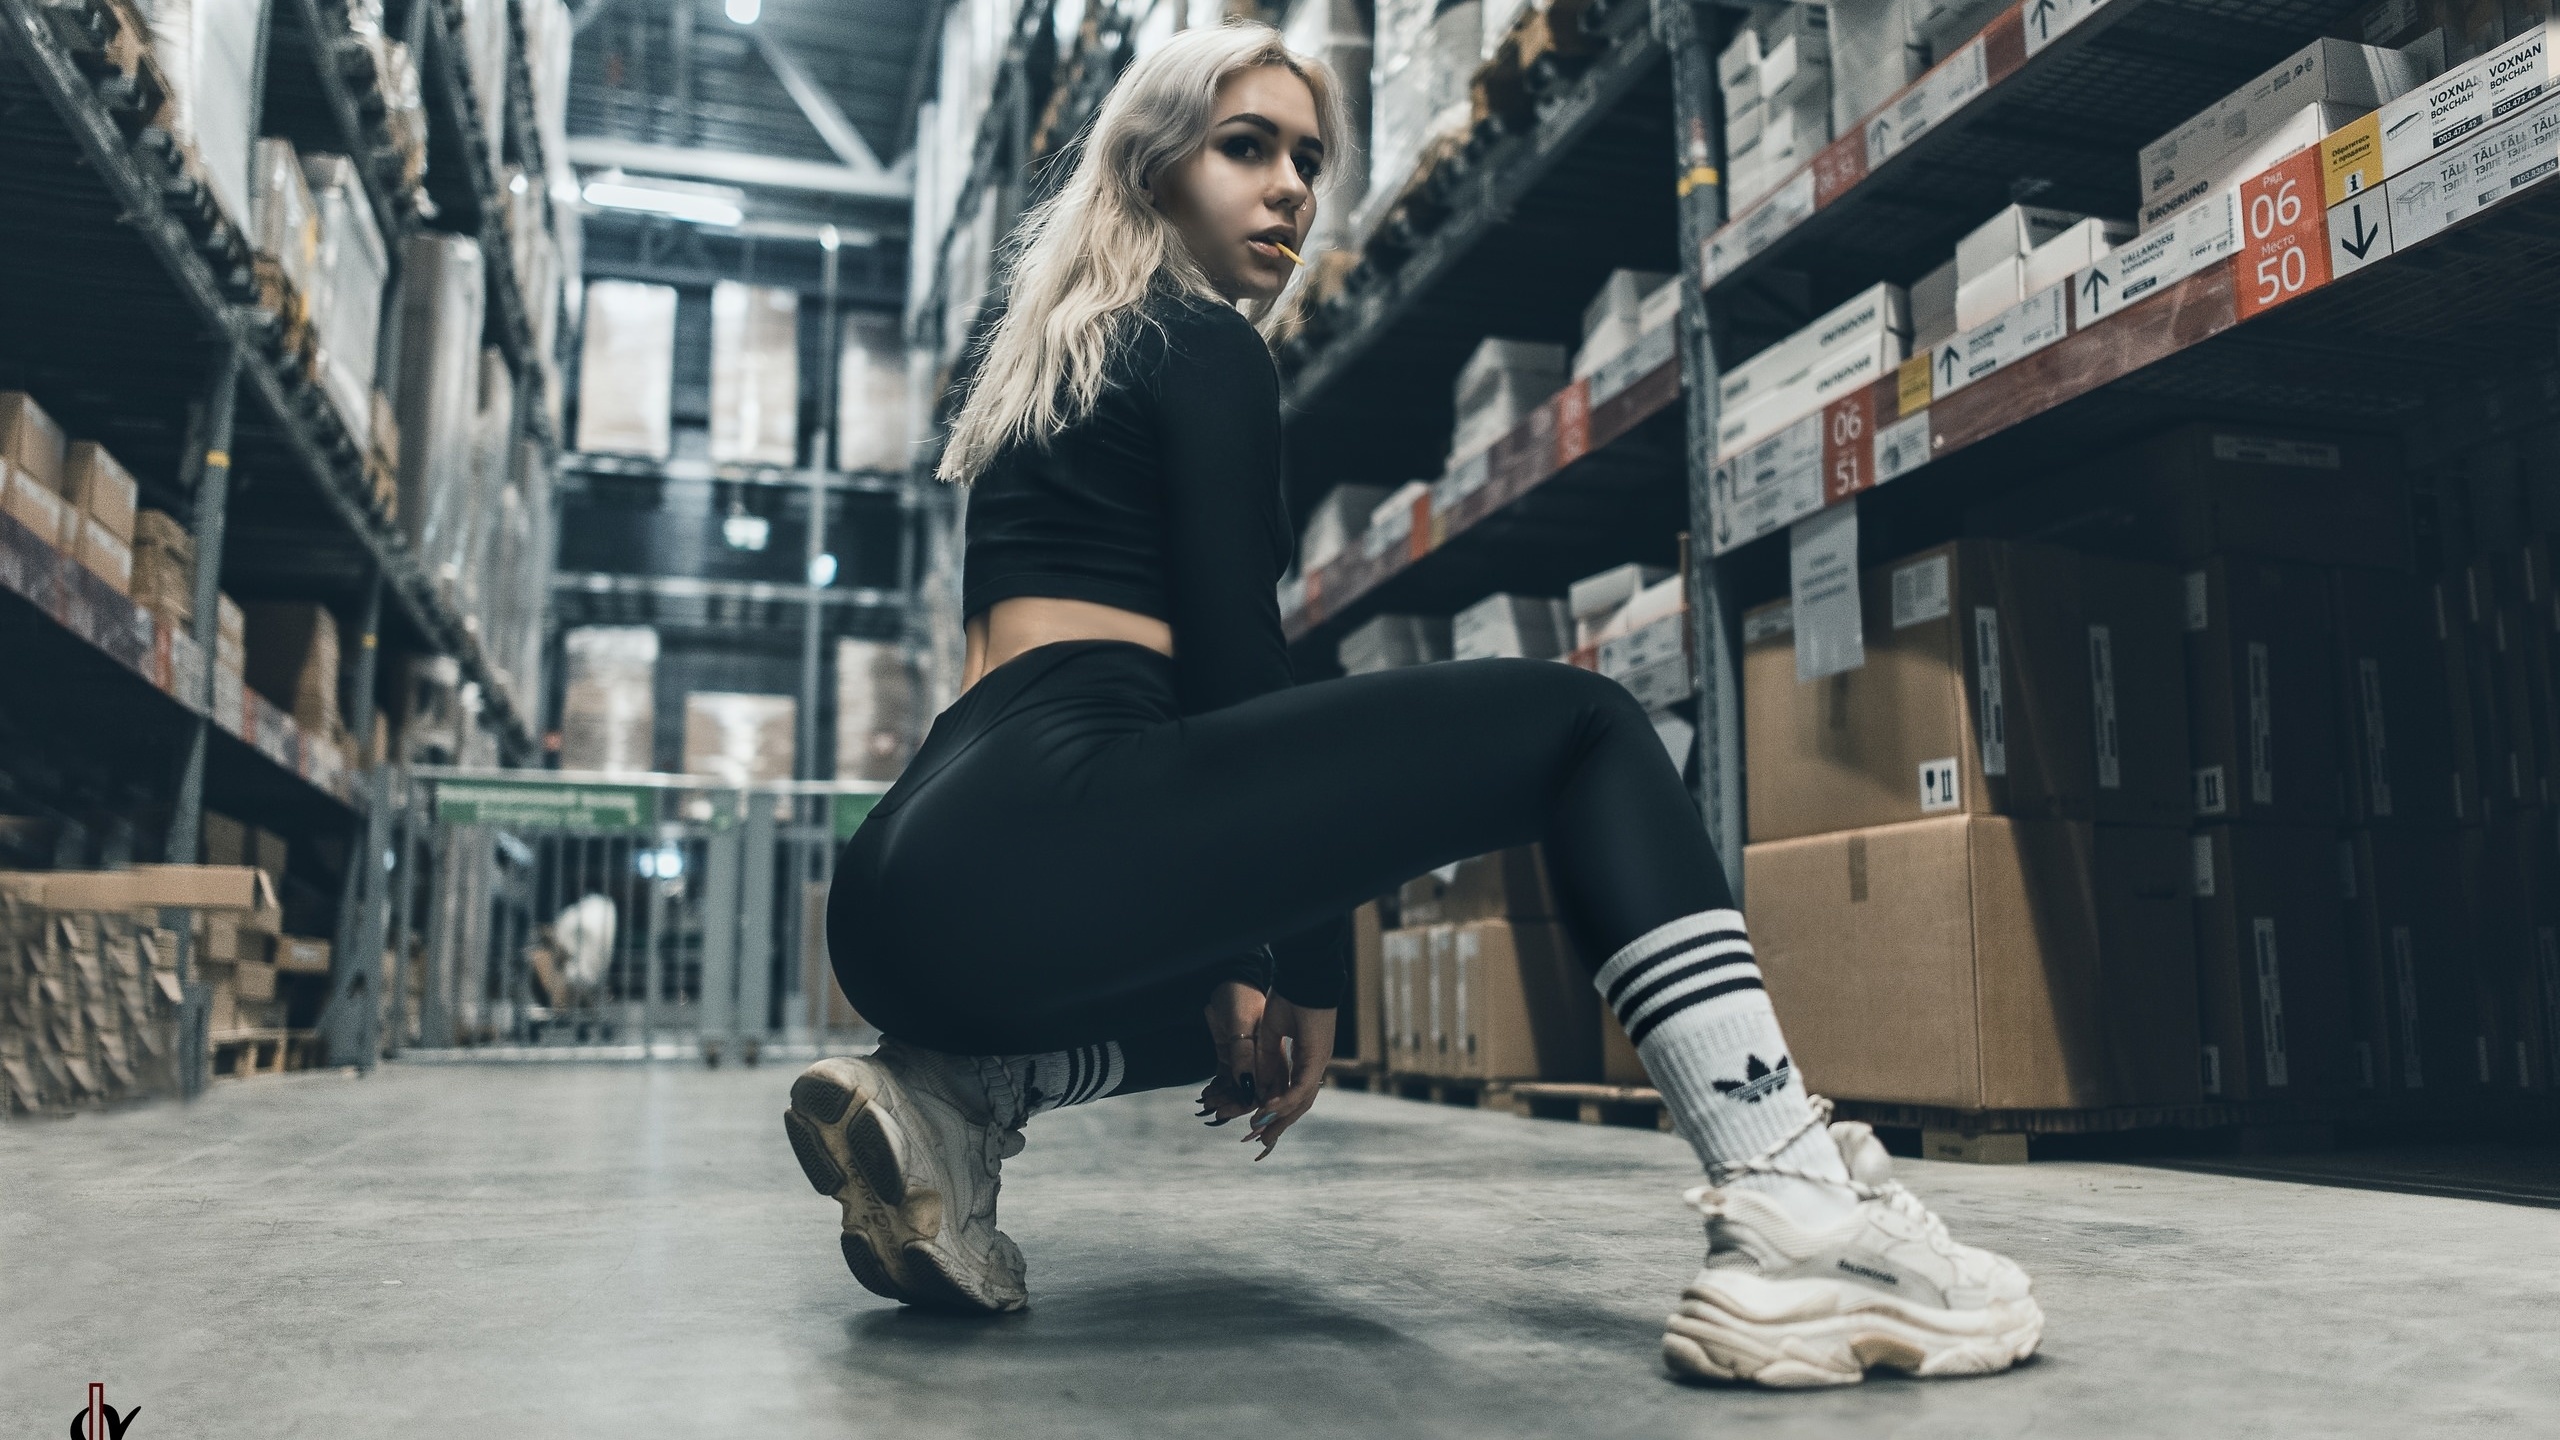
point(626, 369)
point(284, 223)
point(871, 404)
point(293, 661)
point(346, 291)
point(1424, 54)
point(438, 386)
point(1337, 32)
point(164, 565)
point(209, 51)
point(755, 374)
point(607, 711)
point(878, 709)
point(739, 739)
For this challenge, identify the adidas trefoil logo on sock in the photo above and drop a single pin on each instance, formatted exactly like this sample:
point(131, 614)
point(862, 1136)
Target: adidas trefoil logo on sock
point(1758, 1081)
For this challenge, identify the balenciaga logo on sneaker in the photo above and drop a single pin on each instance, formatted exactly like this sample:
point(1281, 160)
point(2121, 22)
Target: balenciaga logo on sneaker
point(1758, 1081)
point(1863, 1272)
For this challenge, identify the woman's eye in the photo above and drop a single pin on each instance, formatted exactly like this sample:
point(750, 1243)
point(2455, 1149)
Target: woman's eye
point(1308, 170)
point(1244, 147)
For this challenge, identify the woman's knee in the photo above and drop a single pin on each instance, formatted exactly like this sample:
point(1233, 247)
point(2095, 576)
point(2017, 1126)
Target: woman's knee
point(1569, 689)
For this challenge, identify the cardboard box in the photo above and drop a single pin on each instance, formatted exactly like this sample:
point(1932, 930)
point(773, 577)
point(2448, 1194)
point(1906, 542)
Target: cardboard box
point(100, 488)
point(1365, 1036)
point(740, 739)
point(105, 556)
point(1336, 524)
point(627, 374)
point(1505, 885)
point(1620, 1064)
point(1876, 50)
point(2355, 77)
point(34, 504)
point(1875, 311)
point(2137, 672)
point(1933, 309)
point(2281, 140)
point(1529, 627)
point(2000, 285)
point(1521, 1005)
point(1975, 699)
point(2012, 234)
point(2199, 490)
point(302, 955)
point(755, 373)
point(291, 656)
point(2395, 721)
point(1972, 962)
point(2271, 958)
point(2263, 724)
point(2410, 957)
point(1404, 958)
point(155, 887)
point(29, 440)
point(253, 980)
point(1497, 388)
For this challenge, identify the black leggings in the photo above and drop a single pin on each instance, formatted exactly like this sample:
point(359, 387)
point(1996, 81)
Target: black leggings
point(1070, 860)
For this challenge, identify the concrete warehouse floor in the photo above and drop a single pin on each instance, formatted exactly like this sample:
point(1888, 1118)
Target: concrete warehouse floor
point(630, 1251)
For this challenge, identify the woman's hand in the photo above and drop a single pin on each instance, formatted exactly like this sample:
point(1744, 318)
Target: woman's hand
point(1272, 1057)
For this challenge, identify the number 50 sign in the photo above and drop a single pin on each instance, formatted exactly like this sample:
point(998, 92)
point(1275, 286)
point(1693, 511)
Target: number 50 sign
point(2284, 235)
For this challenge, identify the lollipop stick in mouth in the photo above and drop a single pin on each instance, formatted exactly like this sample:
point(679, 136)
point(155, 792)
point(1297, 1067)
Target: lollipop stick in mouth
point(1285, 250)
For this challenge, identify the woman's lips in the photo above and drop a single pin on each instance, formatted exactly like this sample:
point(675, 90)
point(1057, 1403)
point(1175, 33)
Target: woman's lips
point(1272, 250)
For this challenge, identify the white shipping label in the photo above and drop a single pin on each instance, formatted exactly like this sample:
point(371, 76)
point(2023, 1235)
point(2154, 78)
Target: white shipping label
point(2203, 863)
point(2212, 795)
point(1938, 786)
point(1920, 592)
point(2377, 750)
point(2147, 264)
point(2011, 336)
point(2199, 611)
point(1902, 447)
point(1768, 624)
point(1822, 573)
point(2262, 726)
point(2404, 985)
point(1991, 715)
point(1774, 483)
point(2262, 929)
point(2102, 699)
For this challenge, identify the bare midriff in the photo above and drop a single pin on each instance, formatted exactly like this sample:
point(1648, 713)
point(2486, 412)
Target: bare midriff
point(1010, 627)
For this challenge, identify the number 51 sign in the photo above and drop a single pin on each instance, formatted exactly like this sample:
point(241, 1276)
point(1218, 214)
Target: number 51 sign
point(2284, 235)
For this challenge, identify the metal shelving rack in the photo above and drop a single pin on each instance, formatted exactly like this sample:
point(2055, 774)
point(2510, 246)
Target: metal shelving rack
point(147, 318)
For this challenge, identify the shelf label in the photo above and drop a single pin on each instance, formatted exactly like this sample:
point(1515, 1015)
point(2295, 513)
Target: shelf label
point(1911, 386)
point(2462, 182)
point(1774, 483)
point(2011, 336)
point(1573, 422)
point(2046, 20)
point(2144, 266)
point(1927, 104)
point(534, 805)
point(1790, 205)
point(2351, 159)
point(2284, 251)
point(1848, 455)
point(2359, 233)
point(1902, 447)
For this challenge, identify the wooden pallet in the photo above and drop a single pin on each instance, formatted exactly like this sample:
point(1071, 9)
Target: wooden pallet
point(247, 1054)
point(1633, 1106)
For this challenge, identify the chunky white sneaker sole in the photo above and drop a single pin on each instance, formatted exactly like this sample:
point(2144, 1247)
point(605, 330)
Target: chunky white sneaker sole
point(1735, 1325)
point(844, 1128)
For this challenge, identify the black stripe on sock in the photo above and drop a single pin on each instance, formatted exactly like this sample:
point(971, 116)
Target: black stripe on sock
point(1669, 953)
point(1097, 1068)
point(1634, 1006)
point(1699, 996)
point(1075, 1077)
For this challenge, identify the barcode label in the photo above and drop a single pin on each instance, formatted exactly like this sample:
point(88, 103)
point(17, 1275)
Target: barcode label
point(1991, 716)
point(1920, 592)
point(1938, 786)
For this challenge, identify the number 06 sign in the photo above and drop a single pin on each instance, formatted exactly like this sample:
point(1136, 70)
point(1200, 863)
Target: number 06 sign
point(2284, 235)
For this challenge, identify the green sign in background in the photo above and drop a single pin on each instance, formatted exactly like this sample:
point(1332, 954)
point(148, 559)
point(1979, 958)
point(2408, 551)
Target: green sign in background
point(538, 806)
point(851, 811)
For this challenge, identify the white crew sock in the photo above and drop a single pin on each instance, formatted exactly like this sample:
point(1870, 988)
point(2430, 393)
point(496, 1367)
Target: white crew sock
point(1689, 993)
point(1072, 1077)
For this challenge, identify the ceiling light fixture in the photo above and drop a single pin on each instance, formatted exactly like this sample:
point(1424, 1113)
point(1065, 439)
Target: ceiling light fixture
point(744, 12)
point(700, 204)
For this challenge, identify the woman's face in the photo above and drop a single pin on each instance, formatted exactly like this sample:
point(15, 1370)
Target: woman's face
point(1251, 183)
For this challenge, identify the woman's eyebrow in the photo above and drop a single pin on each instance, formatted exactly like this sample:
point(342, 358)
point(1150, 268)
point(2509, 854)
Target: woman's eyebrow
point(1247, 117)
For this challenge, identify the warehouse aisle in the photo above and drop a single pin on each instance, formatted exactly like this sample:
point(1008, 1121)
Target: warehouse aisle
point(630, 1251)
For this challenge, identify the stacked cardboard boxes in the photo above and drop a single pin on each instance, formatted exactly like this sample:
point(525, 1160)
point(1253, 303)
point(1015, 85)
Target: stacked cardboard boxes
point(1776, 81)
point(1478, 981)
point(1968, 876)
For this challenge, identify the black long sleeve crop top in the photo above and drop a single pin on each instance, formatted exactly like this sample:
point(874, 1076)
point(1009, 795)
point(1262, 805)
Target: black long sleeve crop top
point(1165, 500)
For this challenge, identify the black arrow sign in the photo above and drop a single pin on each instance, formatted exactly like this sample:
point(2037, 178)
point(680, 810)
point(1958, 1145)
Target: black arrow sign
point(1947, 358)
point(2043, 16)
point(2090, 287)
point(2362, 244)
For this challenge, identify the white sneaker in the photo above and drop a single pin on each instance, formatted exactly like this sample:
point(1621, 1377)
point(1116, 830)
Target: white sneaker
point(1779, 1304)
point(911, 1142)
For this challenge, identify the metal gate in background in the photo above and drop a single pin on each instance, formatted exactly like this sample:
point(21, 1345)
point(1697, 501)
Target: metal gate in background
point(552, 914)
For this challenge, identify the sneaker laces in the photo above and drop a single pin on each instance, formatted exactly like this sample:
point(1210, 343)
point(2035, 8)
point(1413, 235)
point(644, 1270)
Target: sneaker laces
point(1707, 1198)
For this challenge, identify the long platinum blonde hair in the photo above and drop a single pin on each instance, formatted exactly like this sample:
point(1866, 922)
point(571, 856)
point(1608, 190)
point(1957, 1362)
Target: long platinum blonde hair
point(1083, 259)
